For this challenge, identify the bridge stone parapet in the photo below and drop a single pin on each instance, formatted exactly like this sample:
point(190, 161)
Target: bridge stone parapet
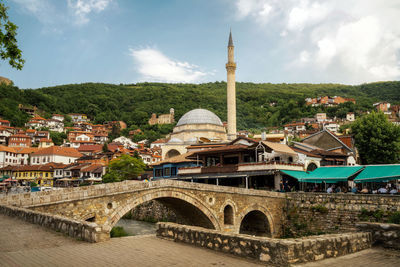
point(227, 209)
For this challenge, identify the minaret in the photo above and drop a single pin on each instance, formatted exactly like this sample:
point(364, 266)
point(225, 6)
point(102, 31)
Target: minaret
point(231, 90)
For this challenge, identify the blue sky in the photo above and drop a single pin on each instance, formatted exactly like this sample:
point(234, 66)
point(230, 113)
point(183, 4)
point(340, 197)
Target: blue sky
point(277, 41)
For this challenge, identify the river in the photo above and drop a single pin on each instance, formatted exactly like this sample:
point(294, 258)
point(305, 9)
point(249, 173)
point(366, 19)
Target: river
point(133, 227)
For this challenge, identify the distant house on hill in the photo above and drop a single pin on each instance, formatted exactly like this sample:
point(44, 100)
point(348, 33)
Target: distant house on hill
point(76, 117)
point(163, 118)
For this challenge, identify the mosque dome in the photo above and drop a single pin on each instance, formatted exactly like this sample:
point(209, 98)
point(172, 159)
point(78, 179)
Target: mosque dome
point(199, 116)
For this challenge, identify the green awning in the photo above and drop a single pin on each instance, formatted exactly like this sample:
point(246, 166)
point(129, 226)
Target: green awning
point(299, 175)
point(379, 173)
point(325, 174)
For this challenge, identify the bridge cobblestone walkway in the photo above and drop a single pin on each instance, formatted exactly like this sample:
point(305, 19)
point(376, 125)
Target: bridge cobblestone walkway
point(24, 244)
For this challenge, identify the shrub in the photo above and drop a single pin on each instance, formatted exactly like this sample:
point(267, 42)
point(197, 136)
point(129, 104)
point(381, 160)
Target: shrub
point(394, 217)
point(320, 209)
point(118, 231)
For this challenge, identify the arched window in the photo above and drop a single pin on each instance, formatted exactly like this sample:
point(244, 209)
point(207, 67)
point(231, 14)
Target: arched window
point(228, 214)
point(312, 166)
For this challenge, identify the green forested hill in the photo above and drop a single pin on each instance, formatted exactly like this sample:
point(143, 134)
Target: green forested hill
point(258, 105)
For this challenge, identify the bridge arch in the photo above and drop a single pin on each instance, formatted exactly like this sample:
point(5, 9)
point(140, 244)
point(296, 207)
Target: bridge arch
point(205, 217)
point(260, 215)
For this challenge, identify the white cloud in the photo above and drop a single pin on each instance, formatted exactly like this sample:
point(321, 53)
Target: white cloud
point(155, 66)
point(306, 14)
point(43, 10)
point(260, 10)
point(82, 8)
point(351, 41)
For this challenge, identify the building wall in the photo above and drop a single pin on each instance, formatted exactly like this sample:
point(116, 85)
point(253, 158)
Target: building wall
point(190, 131)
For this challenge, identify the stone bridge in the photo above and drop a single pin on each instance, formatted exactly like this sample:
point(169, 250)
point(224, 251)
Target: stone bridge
point(226, 209)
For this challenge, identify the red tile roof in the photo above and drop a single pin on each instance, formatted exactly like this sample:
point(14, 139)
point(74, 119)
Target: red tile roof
point(57, 150)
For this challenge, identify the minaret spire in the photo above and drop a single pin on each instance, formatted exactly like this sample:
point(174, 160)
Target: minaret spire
point(231, 90)
point(230, 43)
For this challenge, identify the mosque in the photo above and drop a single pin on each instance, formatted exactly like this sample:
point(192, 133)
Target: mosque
point(203, 126)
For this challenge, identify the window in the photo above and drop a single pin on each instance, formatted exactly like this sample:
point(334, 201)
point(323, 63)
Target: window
point(228, 214)
point(167, 171)
point(173, 171)
point(159, 173)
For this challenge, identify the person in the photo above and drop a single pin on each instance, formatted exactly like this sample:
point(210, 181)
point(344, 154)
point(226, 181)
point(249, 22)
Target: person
point(393, 191)
point(330, 189)
point(338, 189)
point(382, 190)
point(354, 190)
point(364, 190)
point(286, 186)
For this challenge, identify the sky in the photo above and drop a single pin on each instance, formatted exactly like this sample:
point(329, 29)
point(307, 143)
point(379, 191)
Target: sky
point(185, 41)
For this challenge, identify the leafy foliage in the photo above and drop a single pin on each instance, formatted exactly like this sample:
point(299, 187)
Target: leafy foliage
point(258, 105)
point(118, 231)
point(8, 42)
point(377, 139)
point(58, 138)
point(124, 168)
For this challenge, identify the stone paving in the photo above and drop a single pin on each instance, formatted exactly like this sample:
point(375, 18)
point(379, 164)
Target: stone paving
point(24, 244)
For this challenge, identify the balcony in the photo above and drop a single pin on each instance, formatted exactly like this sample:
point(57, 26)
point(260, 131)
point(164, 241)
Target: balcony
point(220, 169)
point(243, 167)
point(266, 166)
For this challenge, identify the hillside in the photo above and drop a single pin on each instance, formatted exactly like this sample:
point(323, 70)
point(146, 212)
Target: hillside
point(258, 105)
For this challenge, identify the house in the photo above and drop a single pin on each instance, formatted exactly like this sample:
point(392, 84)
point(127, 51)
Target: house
point(55, 125)
point(92, 172)
point(295, 127)
point(19, 140)
point(350, 116)
point(40, 135)
point(382, 106)
point(5, 123)
point(76, 117)
point(91, 149)
point(8, 156)
point(28, 109)
point(24, 153)
point(102, 158)
point(128, 143)
point(314, 157)
point(163, 118)
point(331, 126)
point(320, 117)
point(169, 168)
point(5, 133)
point(45, 142)
point(100, 137)
point(58, 117)
point(327, 141)
point(120, 125)
point(84, 126)
point(56, 154)
point(243, 163)
point(36, 122)
point(159, 143)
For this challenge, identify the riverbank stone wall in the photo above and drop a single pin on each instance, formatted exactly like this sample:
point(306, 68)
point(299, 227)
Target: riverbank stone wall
point(383, 234)
point(282, 252)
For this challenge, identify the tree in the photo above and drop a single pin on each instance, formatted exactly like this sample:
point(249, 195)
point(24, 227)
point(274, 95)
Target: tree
point(124, 168)
point(8, 42)
point(58, 138)
point(377, 139)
